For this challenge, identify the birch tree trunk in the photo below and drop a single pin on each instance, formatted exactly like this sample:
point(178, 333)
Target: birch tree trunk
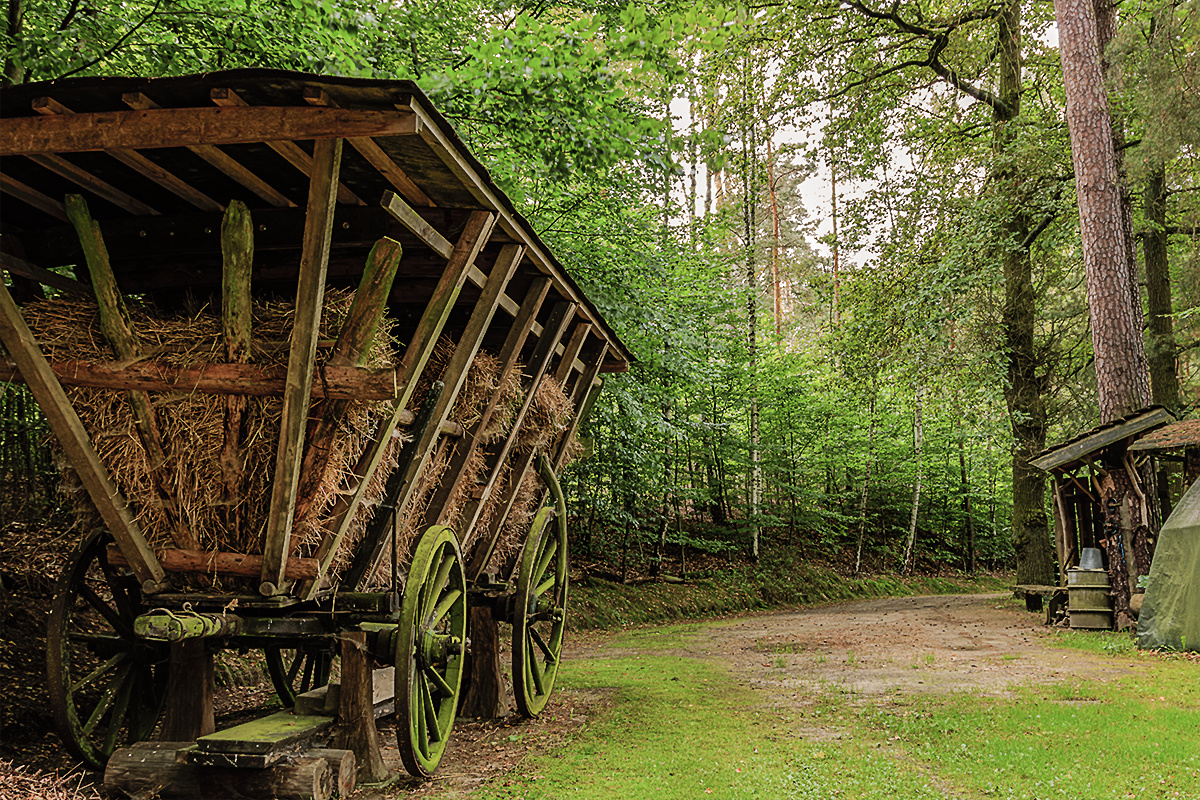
point(919, 447)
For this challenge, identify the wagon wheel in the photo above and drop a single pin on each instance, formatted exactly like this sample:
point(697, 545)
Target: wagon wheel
point(106, 685)
point(539, 614)
point(429, 650)
point(295, 672)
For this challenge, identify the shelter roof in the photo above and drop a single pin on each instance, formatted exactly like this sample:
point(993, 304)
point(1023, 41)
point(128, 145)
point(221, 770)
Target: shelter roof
point(1076, 450)
point(1185, 433)
point(158, 157)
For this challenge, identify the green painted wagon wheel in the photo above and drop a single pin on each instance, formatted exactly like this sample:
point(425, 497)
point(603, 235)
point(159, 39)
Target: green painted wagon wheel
point(106, 685)
point(539, 613)
point(429, 650)
point(295, 672)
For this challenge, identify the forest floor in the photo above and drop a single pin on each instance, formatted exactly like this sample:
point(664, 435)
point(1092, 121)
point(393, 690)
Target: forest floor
point(871, 650)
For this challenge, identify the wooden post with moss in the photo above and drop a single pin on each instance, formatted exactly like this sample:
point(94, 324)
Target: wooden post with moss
point(114, 323)
point(237, 252)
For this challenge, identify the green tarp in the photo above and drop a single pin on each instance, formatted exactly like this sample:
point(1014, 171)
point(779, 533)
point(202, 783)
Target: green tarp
point(1170, 615)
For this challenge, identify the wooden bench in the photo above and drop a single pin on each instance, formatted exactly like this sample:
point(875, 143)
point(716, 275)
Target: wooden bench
point(1033, 596)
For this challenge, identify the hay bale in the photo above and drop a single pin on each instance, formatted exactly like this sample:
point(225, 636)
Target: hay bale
point(193, 427)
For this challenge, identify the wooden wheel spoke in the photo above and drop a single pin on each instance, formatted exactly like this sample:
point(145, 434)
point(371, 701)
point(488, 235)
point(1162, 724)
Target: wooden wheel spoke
point(444, 605)
point(119, 711)
point(110, 614)
point(422, 738)
point(438, 681)
point(544, 585)
point(537, 639)
point(535, 669)
point(126, 604)
point(430, 712)
point(434, 587)
point(545, 558)
point(107, 698)
point(103, 669)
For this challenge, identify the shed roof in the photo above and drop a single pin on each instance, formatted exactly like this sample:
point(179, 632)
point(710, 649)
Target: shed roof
point(1185, 433)
point(158, 157)
point(1075, 450)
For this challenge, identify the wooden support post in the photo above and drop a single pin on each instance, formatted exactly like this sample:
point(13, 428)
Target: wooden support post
point(351, 350)
point(356, 715)
point(485, 696)
point(310, 295)
point(69, 430)
point(237, 251)
point(189, 711)
point(115, 324)
point(416, 356)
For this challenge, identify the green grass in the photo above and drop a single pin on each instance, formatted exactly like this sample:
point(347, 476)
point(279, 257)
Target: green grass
point(686, 728)
point(683, 728)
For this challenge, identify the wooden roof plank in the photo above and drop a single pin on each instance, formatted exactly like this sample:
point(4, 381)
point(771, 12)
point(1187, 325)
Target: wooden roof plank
point(48, 106)
point(374, 154)
point(289, 150)
point(86, 180)
point(27, 194)
point(1103, 436)
point(148, 127)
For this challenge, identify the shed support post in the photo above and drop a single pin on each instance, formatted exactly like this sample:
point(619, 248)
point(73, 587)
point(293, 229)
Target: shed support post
point(310, 295)
point(189, 712)
point(357, 709)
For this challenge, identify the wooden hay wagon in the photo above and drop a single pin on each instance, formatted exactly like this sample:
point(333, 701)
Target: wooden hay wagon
point(304, 420)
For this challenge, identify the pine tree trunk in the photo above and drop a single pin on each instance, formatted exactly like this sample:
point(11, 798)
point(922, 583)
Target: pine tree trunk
point(1121, 372)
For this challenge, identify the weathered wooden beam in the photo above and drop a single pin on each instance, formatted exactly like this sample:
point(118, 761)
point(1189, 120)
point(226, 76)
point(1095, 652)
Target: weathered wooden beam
point(310, 294)
point(69, 430)
point(291, 151)
point(220, 563)
point(27, 194)
point(189, 697)
point(154, 769)
point(117, 330)
point(207, 149)
point(407, 216)
point(237, 262)
point(253, 380)
point(374, 154)
point(148, 127)
point(356, 723)
point(19, 266)
point(139, 163)
point(509, 354)
point(86, 180)
point(351, 350)
point(583, 397)
point(416, 356)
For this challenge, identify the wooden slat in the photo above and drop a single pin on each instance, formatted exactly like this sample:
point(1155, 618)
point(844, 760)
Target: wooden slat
point(243, 380)
point(407, 216)
point(310, 293)
point(19, 266)
point(510, 353)
point(27, 194)
point(416, 355)
point(98, 187)
point(291, 151)
point(148, 127)
point(139, 163)
point(208, 562)
point(585, 394)
point(206, 149)
point(374, 154)
point(570, 353)
point(560, 317)
point(69, 430)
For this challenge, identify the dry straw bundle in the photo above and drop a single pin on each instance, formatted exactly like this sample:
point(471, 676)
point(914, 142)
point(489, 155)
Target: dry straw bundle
point(192, 425)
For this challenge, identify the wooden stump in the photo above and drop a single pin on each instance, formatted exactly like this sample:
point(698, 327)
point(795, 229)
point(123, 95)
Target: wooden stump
point(485, 695)
point(357, 731)
point(152, 769)
point(189, 712)
point(344, 767)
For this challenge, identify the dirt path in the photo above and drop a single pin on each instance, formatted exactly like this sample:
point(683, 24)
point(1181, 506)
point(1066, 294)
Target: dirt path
point(872, 651)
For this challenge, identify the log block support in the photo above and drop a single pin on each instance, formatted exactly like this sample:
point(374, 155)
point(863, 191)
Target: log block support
point(152, 769)
point(237, 253)
point(356, 714)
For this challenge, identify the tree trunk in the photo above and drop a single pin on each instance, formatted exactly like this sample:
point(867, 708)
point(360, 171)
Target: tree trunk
point(1164, 383)
point(919, 447)
point(968, 516)
point(1121, 372)
point(862, 523)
